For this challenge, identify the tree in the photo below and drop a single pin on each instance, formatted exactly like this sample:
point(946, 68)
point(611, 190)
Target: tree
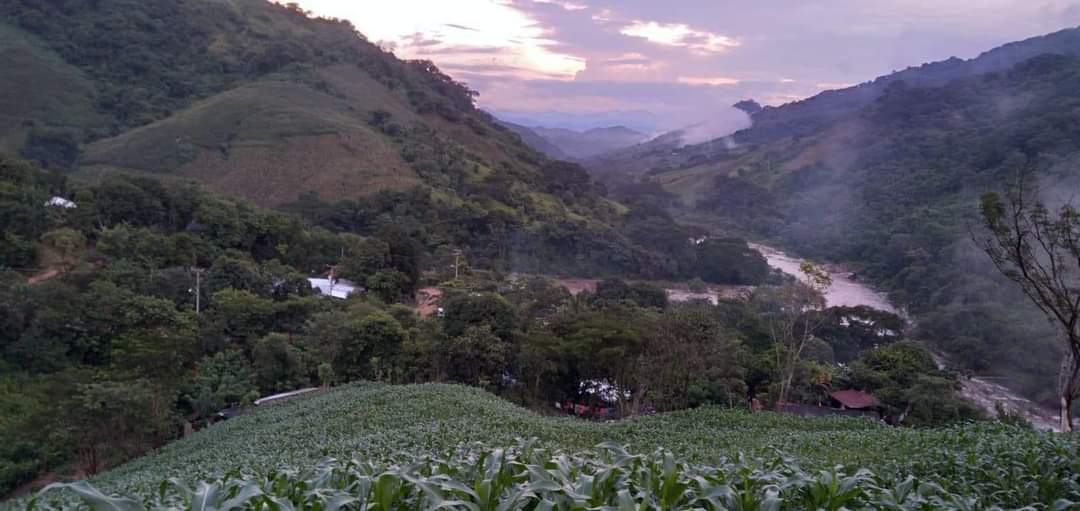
point(377, 336)
point(236, 317)
point(477, 356)
point(464, 310)
point(907, 381)
point(689, 348)
point(64, 240)
point(1040, 251)
point(389, 285)
point(363, 256)
point(326, 375)
point(278, 364)
point(792, 316)
point(222, 379)
point(119, 418)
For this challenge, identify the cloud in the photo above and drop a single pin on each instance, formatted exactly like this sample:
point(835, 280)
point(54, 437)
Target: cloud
point(681, 35)
point(683, 61)
point(460, 27)
point(708, 80)
point(567, 6)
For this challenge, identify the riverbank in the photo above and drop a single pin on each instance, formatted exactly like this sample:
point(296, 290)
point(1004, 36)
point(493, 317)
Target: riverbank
point(846, 291)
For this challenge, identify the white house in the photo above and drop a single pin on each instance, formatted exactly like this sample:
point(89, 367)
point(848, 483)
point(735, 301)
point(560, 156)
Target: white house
point(335, 288)
point(60, 202)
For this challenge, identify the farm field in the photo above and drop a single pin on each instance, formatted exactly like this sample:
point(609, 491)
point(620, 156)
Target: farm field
point(429, 438)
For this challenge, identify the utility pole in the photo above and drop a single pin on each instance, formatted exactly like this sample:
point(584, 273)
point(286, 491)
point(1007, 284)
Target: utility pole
point(457, 262)
point(198, 289)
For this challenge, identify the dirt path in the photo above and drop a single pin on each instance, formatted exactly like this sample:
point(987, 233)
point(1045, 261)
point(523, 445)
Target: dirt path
point(43, 276)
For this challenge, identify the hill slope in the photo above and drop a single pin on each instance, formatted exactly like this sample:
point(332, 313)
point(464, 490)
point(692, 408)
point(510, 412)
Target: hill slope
point(886, 177)
point(534, 140)
point(378, 422)
point(258, 100)
point(261, 101)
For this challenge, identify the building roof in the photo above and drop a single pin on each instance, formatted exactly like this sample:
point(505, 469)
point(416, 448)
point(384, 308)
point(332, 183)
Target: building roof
point(60, 202)
point(855, 399)
point(339, 288)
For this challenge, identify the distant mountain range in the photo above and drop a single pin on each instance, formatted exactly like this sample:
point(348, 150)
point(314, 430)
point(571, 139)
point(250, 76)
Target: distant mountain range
point(566, 144)
point(637, 120)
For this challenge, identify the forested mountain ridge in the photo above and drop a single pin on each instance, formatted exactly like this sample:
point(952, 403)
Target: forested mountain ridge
point(567, 144)
point(134, 299)
point(262, 101)
point(257, 99)
point(533, 139)
point(886, 177)
point(809, 116)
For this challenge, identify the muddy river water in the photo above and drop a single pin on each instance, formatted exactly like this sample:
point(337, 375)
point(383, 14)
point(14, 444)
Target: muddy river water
point(846, 290)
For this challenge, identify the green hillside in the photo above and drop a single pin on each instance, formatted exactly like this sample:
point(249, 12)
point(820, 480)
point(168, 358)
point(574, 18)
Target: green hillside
point(261, 101)
point(396, 424)
point(43, 97)
point(886, 178)
point(253, 98)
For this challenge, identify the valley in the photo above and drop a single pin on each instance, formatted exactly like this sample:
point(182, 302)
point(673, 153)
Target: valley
point(538, 255)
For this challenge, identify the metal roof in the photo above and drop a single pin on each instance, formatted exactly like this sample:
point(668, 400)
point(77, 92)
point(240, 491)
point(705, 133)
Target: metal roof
point(855, 399)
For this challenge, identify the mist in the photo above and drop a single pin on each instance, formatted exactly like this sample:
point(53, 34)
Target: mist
point(719, 125)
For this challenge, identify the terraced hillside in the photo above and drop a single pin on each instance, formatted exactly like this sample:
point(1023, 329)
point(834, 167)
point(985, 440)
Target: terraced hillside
point(398, 424)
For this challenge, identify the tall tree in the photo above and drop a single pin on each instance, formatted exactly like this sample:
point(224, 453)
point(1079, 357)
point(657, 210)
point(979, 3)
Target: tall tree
point(1040, 251)
point(793, 318)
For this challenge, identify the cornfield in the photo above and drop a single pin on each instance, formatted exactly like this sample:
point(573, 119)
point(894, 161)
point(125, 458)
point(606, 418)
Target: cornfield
point(436, 446)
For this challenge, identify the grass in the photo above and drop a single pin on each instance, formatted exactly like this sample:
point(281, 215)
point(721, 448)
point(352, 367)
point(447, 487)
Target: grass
point(37, 85)
point(387, 424)
point(267, 141)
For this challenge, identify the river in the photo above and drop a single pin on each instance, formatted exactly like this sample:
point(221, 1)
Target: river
point(846, 291)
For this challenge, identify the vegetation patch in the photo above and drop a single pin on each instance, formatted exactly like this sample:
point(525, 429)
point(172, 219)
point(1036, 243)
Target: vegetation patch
point(422, 446)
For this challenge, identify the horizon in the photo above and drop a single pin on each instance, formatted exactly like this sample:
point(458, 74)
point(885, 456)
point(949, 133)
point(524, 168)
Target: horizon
point(584, 64)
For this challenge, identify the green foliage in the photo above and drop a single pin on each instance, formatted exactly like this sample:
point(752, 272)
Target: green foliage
point(614, 291)
point(416, 446)
point(23, 192)
point(888, 176)
point(730, 261)
point(476, 356)
point(378, 336)
point(222, 379)
point(908, 382)
point(466, 310)
point(279, 364)
point(118, 420)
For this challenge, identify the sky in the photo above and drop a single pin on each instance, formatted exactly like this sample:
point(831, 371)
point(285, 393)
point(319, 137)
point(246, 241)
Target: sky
point(664, 64)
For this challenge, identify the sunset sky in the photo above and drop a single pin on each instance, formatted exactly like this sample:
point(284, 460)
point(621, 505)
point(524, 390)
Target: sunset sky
point(674, 62)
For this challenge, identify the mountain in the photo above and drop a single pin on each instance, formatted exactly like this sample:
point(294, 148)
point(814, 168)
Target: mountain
point(255, 99)
point(566, 144)
point(261, 101)
point(534, 140)
point(637, 120)
point(583, 144)
point(809, 116)
point(886, 176)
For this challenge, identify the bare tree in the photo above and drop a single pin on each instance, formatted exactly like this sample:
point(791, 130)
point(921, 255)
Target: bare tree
point(1040, 251)
point(793, 323)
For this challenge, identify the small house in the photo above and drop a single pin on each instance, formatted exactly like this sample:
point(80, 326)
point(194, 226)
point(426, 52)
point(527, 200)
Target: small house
point(854, 400)
point(60, 202)
point(842, 402)
point(335, 288)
